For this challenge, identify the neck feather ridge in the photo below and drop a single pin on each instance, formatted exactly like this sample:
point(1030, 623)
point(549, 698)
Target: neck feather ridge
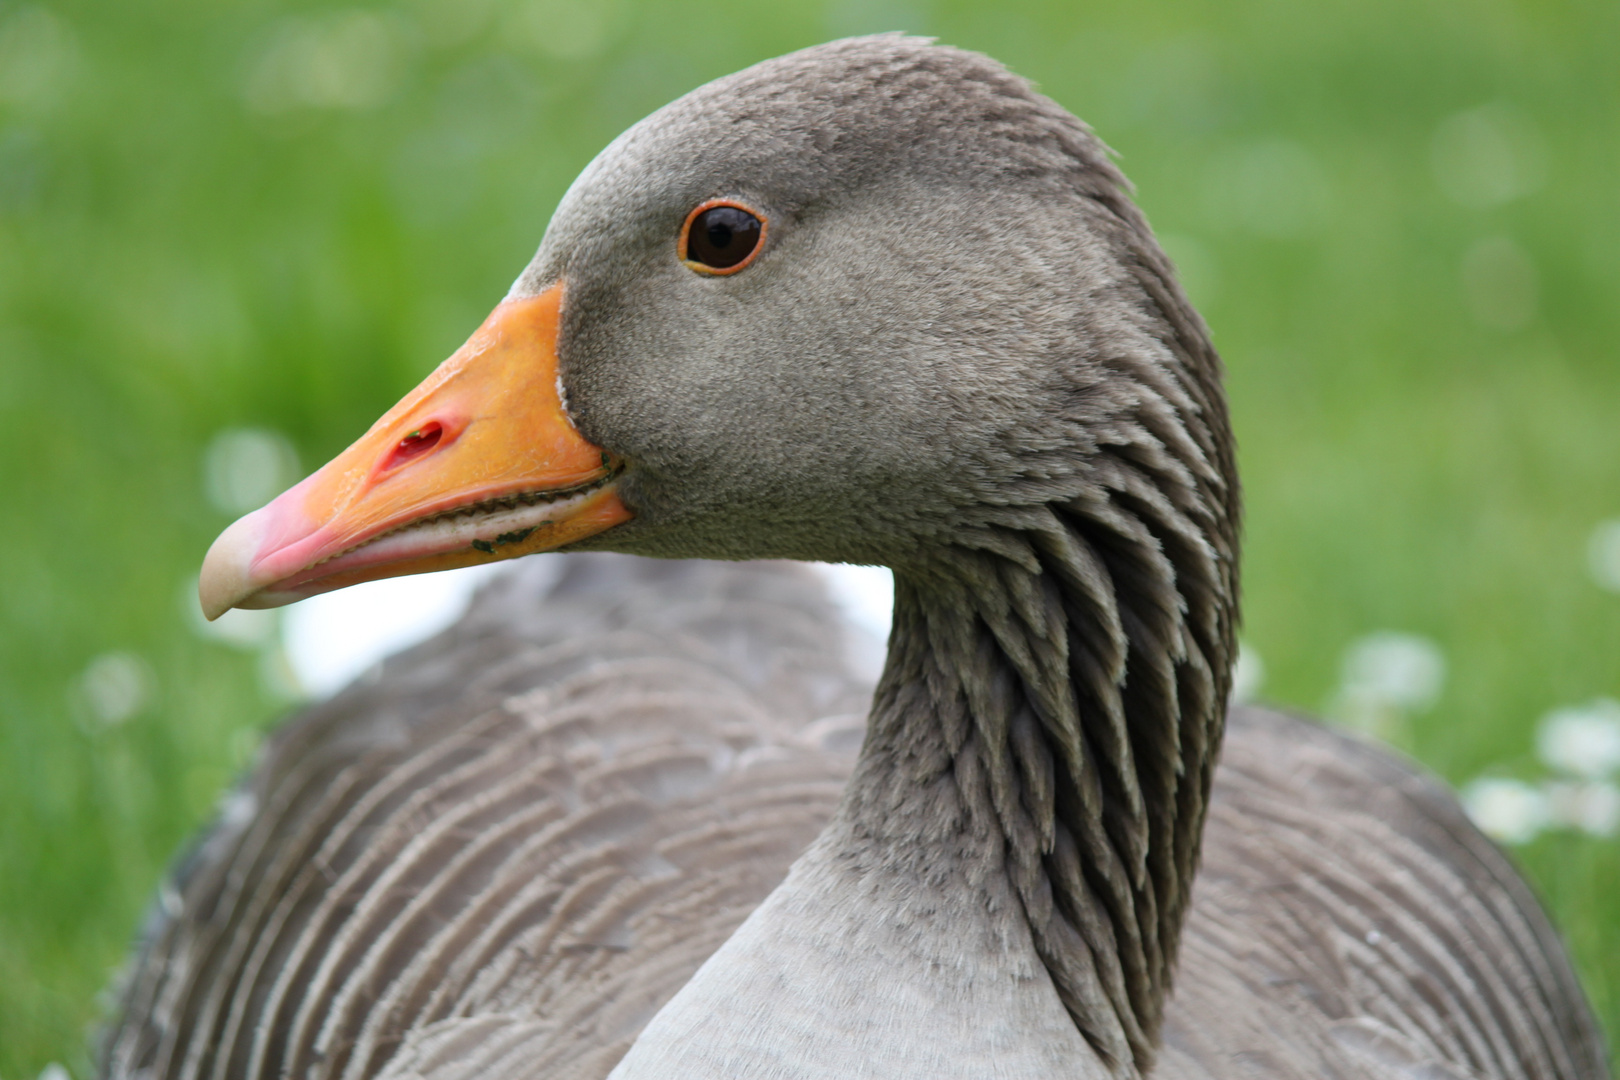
point(1067, 666)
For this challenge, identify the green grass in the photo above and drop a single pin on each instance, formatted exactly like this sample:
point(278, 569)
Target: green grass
point(184, 247)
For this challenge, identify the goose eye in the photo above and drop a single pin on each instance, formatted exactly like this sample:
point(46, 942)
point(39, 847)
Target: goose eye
point(721, 238)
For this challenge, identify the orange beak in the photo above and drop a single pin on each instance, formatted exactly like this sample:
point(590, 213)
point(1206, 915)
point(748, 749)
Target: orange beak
point(479, 463)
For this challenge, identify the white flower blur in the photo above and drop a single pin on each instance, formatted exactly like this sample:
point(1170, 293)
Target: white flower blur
point(1583, 740)
point(1402, 670)
point(244, 468)
point(1603, 555)
point(1592, 807)
point(1248, 674)
point(116, 686)
point(1509, 811)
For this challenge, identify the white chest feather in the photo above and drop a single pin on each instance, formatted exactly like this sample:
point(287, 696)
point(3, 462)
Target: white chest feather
point(850, 972)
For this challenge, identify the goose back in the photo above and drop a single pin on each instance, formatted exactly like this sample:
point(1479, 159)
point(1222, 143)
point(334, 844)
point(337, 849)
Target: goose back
point(1349, 921)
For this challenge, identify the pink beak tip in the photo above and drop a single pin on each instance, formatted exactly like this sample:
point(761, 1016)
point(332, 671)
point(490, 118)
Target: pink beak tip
point(227, 570)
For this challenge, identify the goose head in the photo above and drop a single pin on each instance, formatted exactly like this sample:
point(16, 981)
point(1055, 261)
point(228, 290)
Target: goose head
point(847, 305)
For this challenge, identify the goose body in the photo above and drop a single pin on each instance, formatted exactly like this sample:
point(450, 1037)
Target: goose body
point(876, 302)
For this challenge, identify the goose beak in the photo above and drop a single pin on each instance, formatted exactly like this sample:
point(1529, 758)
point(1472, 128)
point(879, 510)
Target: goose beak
point(479, 463)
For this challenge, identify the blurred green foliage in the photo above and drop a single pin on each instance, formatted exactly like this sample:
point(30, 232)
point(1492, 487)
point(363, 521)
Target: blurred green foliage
point(1400, 217)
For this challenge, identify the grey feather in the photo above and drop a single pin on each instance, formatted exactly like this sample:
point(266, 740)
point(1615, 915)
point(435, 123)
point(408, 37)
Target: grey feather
point(544, 852)
point(1348, 920)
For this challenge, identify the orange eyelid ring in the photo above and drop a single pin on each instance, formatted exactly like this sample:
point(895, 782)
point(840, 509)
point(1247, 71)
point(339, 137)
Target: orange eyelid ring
point(681, 248)
point(479, 463)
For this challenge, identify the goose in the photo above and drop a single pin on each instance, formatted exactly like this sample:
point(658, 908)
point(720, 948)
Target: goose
point(875, 302)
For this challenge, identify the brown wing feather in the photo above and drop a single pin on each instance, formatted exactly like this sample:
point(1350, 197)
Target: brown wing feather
point(516, 844)
point(1349, 921)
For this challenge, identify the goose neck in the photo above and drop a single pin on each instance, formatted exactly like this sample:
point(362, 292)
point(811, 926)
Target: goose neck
point(1046, 728)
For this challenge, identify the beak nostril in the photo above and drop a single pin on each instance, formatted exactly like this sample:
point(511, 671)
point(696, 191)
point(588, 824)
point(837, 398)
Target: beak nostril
point(414, 445)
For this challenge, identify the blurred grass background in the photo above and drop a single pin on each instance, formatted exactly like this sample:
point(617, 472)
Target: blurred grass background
point(1401, 217)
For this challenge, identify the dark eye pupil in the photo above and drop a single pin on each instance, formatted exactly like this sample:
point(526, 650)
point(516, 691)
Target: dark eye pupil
point(722, 237)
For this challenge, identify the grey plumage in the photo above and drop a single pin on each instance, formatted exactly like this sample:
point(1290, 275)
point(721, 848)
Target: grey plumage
point(961, 355)
point(1349, 921)
point(538, 824)
point(1332, 871)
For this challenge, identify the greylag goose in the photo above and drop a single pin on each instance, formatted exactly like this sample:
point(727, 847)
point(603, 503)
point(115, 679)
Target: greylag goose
point(874, 302)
